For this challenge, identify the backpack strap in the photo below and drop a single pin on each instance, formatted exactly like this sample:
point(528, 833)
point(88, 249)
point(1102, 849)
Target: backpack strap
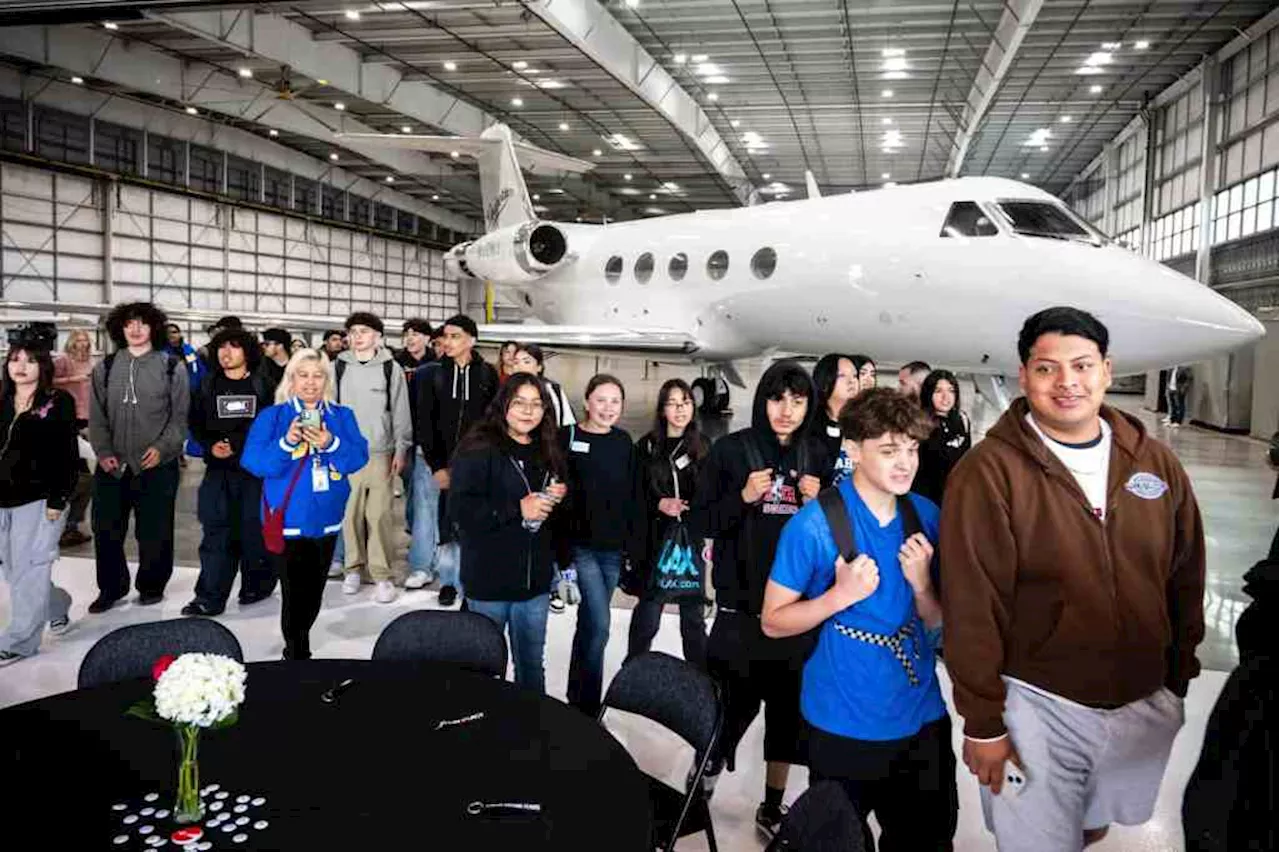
point(837, 515)
point(387, 367)
point(755, 458)
point(339, 367)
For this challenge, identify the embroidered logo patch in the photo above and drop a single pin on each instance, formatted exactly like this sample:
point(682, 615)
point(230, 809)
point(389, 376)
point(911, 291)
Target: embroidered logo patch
point(1148, 486)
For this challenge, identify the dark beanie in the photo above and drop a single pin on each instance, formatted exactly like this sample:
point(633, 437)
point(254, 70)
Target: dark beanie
point(277, 335)
point(366, 319)
point(463, 322)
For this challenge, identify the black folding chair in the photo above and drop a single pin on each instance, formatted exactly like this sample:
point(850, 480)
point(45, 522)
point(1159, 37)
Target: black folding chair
point(821, 820)
point(465, 639)
point(685, 701)
point(129, 652)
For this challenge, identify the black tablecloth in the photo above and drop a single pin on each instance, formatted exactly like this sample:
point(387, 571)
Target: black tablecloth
point(363, 773)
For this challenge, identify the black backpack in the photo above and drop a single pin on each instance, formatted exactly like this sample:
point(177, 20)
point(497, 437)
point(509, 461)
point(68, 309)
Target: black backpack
point(833, 508)
point(171, 367)
point(340, 367)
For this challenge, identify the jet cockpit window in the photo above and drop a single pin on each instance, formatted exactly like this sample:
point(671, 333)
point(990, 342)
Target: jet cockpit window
point(1045, 219)
point(717, 264)
point(967, 219)
point(613, 269)
point(644, 268)
point(678, 266)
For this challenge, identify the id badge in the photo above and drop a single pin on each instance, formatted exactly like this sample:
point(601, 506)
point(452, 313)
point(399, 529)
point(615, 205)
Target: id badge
point(682, 462)
point(319, 477)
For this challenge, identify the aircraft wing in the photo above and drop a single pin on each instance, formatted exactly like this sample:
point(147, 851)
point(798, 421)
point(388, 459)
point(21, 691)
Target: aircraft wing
point(537, 160)
point(639, 340)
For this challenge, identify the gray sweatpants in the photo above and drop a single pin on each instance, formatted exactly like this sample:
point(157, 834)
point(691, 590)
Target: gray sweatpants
point(28, 549)
point(1086, 768)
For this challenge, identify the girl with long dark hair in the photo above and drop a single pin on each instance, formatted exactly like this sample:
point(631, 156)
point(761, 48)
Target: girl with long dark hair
point(506, 479)
point(866, 372)
point(836, 380)
point(667, 462)
point(950, 439)
point(38, 463)
point(529, 358)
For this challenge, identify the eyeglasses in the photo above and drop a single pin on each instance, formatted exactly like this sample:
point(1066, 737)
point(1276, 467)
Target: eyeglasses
point(678, 405)
point(527, 405)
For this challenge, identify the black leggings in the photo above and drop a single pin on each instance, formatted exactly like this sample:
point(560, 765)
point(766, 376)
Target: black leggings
point(909, 784)
point(303, 575)
point(646, 617)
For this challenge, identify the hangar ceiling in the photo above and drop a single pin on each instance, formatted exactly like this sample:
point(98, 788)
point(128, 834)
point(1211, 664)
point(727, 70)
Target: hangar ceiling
point(683, 104)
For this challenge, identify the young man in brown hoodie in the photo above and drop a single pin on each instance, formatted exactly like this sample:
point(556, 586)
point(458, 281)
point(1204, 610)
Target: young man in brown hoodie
point(1072, 563)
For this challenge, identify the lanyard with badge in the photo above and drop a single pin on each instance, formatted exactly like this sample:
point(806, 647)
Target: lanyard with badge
point(319, 469)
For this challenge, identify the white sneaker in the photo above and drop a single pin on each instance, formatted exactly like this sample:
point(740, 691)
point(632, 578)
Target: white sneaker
point(418, 579)
point(351, 583)
point(335, 570)
point(384, 592)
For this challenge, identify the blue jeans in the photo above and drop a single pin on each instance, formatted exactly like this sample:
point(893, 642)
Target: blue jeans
point(411, 464)
point(423, 513)
point(598, 572)
point(526, 624)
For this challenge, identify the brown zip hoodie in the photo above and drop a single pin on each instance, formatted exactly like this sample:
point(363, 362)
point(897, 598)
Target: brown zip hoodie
point(1036, 587)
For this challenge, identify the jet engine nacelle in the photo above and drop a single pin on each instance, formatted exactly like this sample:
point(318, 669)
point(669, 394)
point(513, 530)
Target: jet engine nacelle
point(455, 263)
point(519, 253)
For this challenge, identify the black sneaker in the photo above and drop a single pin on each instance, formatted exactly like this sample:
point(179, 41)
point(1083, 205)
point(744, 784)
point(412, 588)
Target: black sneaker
point(74, 538)
point(769, 820)
point(251, 599)
point(557, 603)
point(448, 596)
point(198, 608)
point(101, 604)
point(149, 600)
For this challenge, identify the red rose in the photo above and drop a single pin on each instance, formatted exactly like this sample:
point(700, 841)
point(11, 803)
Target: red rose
point(159, 666)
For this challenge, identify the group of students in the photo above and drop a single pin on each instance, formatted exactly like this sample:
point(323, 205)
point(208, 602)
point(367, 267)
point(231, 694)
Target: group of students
point(1065, 569)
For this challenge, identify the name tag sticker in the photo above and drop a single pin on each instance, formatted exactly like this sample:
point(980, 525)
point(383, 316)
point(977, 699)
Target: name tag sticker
point(833, 431)
point(235, 407)
point(1148, 486)
point(682, 462)
point(580, 447)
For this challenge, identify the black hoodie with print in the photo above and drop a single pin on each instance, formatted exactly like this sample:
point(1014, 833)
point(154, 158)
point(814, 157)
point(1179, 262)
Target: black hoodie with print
point(746, 535)
point(450, 398)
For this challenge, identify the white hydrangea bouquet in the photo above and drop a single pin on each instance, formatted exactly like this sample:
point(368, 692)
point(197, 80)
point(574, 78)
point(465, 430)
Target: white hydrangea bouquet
point(193, 692)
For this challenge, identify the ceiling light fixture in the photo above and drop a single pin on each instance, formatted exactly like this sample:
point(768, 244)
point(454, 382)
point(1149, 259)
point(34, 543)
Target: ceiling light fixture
point(435, 198)
point(454, 154)
point(886, 121)
point(671, 187)
point(1111, 45)
point(708, 69)
point(895, 75)
point(1064, 119)
point(273, 132)
point(334, 156)
point(406, 129)
point(627, 176)
point(351, 15)
point(191, 110)
point(898, 63)
point(517, 102)
point(1025, 176)
point(245, 73)
point(323, 82)
point(596, 152)
point(884, 176)
point(699, 57)
point(887, 93)
point(339, 106)
point(1095, 90)
point(893, 52)
point(766, 175)
point(389, 179)
point(735, 123)
point(564, 126)
point(519, 65)
point(451, 65)
point(679, 59)
point(1044, 149)
point(631, 4)
point(110, 25)
point(537, 197)
point(713, 96)
point(652, 197)
point(79, 81)
point(1141, 45)
point(548, 84)
point(717, 80)
point(1038, 137)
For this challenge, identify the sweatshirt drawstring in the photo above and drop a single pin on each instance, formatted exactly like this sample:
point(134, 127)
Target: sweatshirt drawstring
point(132, 389)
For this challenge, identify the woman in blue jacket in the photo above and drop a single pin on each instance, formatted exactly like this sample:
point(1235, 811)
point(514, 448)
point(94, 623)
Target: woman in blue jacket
point(306, 439)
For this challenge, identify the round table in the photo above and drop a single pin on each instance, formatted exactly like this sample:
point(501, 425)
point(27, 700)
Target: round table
point(366, 771)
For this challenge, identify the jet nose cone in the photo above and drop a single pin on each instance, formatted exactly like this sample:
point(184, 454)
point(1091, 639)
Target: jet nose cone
point(1225, 321)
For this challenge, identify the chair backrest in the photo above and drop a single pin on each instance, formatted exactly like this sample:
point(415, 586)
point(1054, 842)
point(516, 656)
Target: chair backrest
point(672, 693)
point(129, 652)
point(821, 820)
point(466, 639)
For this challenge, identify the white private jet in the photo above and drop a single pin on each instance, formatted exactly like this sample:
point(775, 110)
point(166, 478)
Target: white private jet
point(945, 272)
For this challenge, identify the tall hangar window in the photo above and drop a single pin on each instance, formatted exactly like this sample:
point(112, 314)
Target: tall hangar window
point(764, 262)
point(644, 268)
point(678, 266)
point(613, 269)
point(717, 264)
point(967, 219)
point(1042, 219)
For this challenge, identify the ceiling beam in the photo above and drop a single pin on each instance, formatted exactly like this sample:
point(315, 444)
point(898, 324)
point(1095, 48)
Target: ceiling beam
point(1015, 23)
point(140, 68)
point(588, 26)
point(276, 39)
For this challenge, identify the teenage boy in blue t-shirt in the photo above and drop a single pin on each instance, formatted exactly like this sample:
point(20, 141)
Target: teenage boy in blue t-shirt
point(877, 721)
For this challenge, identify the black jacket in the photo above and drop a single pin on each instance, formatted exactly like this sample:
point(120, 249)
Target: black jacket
point(746, 535)
point(601, 510)
point(660, 467)
point(39, 458)
point(225, 409)
point(939, 453)
point(501, 559)
point(450, 399)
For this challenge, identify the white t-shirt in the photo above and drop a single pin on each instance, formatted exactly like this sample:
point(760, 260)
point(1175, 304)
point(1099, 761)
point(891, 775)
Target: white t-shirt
point(1089, 465)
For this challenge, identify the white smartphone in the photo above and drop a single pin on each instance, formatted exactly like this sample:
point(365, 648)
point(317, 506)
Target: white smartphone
point(1015, 780)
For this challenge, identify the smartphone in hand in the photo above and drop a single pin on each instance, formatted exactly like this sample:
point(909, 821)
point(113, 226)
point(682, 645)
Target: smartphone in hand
point(309, 418)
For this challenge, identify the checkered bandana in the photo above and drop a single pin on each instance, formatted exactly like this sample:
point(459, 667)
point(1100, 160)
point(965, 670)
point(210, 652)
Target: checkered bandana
point(895, 643)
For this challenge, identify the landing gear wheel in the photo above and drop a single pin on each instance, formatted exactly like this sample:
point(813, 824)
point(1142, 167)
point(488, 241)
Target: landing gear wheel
point(722, 395)
point(705, 396)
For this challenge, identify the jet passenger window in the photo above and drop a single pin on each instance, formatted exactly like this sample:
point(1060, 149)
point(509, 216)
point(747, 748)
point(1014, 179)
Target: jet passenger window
point(717, 265)
point(613, 269)
point(678, 266)
point(967, 219)
point(1043, 219)
point(644, 268)
point(763, 262)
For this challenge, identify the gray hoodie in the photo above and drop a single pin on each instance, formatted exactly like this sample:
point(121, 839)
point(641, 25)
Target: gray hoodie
point(140, 405)
point(364, 390)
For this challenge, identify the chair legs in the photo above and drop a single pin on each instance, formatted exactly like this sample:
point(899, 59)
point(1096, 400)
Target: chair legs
point(711, 836)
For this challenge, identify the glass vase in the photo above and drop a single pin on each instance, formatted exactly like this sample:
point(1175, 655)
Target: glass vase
point(188, 808)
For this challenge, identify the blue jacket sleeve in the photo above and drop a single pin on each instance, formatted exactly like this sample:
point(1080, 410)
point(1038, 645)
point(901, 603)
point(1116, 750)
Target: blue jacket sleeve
point(263, 455)
point(349, 451)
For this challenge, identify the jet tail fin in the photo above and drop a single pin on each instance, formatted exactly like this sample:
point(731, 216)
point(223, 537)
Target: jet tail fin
point(811, 184)
point(500, 157)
